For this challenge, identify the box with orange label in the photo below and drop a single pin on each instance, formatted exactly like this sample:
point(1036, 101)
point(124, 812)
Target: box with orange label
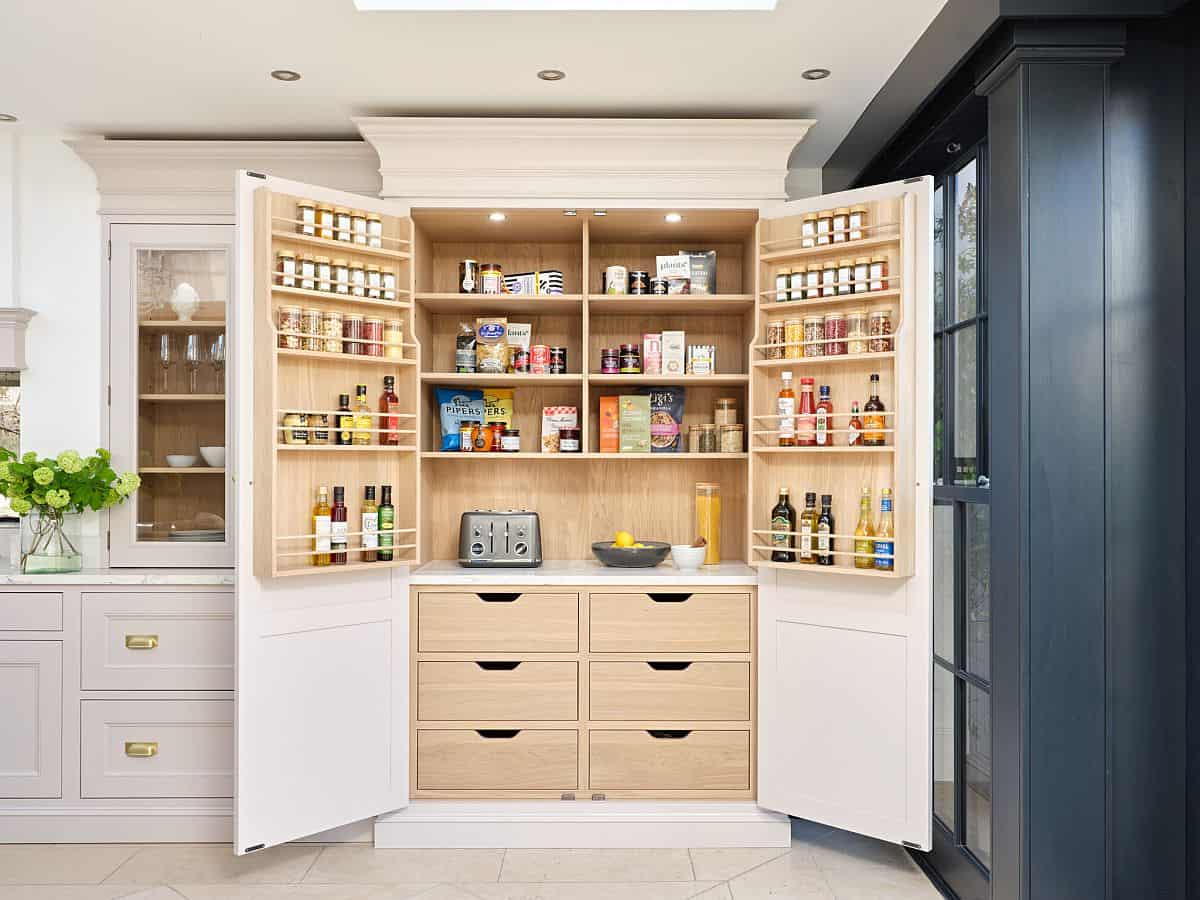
point(610, 430)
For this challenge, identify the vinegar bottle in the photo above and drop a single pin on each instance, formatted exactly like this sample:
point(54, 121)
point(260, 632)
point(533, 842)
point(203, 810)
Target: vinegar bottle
point(785, 406)
point(362, 416)
point(389, 403)
point(808, 527)
point(873, 418)
point(825, 530)
point(338, 527)
point(824, 419)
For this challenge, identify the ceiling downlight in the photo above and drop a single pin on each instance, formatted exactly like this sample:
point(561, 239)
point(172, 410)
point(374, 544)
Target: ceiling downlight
point(7, 117)
point(288, 75)
point(551, 74)
point(815, 74)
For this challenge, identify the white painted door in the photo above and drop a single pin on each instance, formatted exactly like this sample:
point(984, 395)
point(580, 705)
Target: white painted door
point(322, 659)
point(844, 666)
point(31, 735)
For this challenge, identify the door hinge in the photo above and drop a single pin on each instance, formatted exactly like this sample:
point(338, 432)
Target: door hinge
point(916, 180)
point(568, 795)
point(599, 797)
point(108, 540)
point(256, 175)
point(110, 395)
point(911, 845)
point(110, 250)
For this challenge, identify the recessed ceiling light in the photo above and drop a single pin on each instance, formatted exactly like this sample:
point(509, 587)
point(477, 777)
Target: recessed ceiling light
point(552, 74)
point(285, 75)
point(7, 117)
point(673, 218)
point(497, 217)
point(560, 5)
point(953, 147)
point(599, 212)
point(815, 74)
point(570, 212)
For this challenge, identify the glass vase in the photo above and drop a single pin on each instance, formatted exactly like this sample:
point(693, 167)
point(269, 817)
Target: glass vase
point(50, 542)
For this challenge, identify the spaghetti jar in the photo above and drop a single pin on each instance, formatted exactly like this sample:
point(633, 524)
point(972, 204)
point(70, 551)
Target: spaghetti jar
point(814, 336)
point(352, 333)
point(341, 276)
point(776, 335)
point(324, 273)
point(325, 221)
point(835, 334)
point(879, 325)
point(845, 276)
point(808, 230)
point(879, 273)
point(375, 230)
point(708, 520)
point(358, 279)
point(856, 331)
point(310, 325)
point(374, 282)
point(793, 338)
point(841, 221)
point(393, 338)
point(289, 327)
point(341, 224)
point(358, 226)
point(857, 221)
point(306, 213)
point(285, 267)
point(331, 331)
point(372, 336)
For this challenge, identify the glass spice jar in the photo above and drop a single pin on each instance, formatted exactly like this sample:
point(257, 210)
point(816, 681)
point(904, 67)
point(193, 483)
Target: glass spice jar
point(879, 273)
point(610, 361)
point(358, 279)
point(708, 438)
point(374, 282)
point(879, 326)
point(856, 331)
point(308, 272)
point(393, 338)
point(352, 333)
point(358, 226)
point(808, 230)
point(783, 280)
point(325, 221)
point(341, 276)
point(857, 221)
point(814, 336)
point(776, 335)
point(829, 279)
point(793, 339)
point(731, 438)
point(372, 336)
point(306, 213)
point(841, 221)
point(331, 331)
point(388, 277)
point(295, 428)
point(289, 327)
point(796, 284)
point(285, 267)
point(824, 227)
point(845, 276)
point(812, 282)
point(341, 224)
point(694, 432)
point(862, 274)
point(375, 230)
point(835, 334)
point(310, 325)
point(324, 273)
point(725, 411)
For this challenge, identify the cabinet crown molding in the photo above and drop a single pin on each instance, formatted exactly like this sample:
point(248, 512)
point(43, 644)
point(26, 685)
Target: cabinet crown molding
point(433, 161)
point(13, 320)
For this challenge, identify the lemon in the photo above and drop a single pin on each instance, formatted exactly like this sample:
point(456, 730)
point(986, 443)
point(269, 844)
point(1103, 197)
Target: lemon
point(623, 539)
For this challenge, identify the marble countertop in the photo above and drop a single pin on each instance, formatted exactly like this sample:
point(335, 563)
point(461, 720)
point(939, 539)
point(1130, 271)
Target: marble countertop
point(584, 572)
point(206, 577)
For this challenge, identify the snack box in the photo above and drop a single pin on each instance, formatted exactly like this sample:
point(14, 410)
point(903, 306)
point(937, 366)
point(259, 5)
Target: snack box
point(634, 421)
point(548, 282)
point(673, 352)
point(610, 425)
point(702, 270)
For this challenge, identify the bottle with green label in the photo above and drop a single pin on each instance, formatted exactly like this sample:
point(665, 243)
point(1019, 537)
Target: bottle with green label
point(387, 523)
point(783, 527)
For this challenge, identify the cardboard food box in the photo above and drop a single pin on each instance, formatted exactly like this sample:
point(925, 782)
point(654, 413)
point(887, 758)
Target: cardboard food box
point(634, 423)
point(610, 425)
point(554, 418)
point(673, 352)
point(702, 270)
point(677, 270)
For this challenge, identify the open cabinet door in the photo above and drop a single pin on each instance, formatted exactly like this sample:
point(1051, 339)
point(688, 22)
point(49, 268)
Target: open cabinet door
point(844, 689)
point(322, 683)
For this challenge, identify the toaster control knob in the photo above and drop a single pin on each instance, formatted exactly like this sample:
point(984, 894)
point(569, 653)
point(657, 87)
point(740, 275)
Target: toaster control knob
point(522, 548)
point(476, 531)
point(520, 532)
point(476, 549)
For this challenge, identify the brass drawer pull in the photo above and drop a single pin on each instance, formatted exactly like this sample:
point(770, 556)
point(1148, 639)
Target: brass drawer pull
point(141, 749)
point(669, 598)
point(498, 733)
point(496, 666)
point(497, 598)
point(671, 666)
point(667, 735)
point(141, 641)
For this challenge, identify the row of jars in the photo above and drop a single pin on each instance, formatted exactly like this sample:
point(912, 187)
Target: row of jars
point(833, 226)
point(834, 334)
point(337, 223)
point(832, 278)
point(336, 276)
point(329, 331)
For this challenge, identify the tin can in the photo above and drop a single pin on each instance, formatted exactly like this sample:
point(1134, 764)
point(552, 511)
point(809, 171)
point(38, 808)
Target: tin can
point(610, 361)
point(520, 359)
point(652, 354)
point(616, 280)
point(639, 282)
point(658, 286)
point(558, 360)
point(539, 359)
point(468, 276)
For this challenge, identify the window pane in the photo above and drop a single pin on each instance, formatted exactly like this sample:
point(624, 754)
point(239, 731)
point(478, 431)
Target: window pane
point(939, 411)
point(966, 399)
point(943, 745)
point(978, 771)
point(943, 581)
point(966, 229)
point(939, 257)
point(979, 598)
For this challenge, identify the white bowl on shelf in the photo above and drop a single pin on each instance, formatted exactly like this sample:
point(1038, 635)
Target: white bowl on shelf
point(181, 460)
point(214, 456)
point(688, 558)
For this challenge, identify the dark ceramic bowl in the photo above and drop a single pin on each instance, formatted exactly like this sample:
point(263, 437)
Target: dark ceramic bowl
point(631, 557)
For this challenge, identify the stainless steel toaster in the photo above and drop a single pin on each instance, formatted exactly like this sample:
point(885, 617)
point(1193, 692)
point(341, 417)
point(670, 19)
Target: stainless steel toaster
point(508, 538)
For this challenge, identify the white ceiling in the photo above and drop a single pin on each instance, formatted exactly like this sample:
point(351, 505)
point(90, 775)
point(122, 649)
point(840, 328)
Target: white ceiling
point(166, 68)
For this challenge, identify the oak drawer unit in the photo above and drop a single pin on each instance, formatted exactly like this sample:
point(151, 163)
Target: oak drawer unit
point(484, 690)
point(497, 621)
point(670, 690)
point(683, 622)
point(497, 760)
point(669, 760)
point(156, 748)
point(157, 641)
point(31, 611)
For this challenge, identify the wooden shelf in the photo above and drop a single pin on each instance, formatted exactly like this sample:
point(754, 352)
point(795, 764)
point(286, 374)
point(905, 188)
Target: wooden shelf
point(333, 297)
point(812, 568)
point(778, 306)
point(338, 248)
point(182, 398)
point(562, 457)
point(845, 248)
point(545, 304)
point(508, 378)
point(176, 325)
point(714, 380)
point(822, 360)
point(342, 448)
point(174, 470)
point(348, 567)
point(321, 356)
point(658, 304)
point(820, 450)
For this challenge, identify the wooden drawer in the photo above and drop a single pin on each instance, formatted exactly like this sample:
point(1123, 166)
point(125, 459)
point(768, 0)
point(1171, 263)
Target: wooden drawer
point(666, 691)
point(670, 760)
point(490, 621)
point(670, 622)
point(491, 690)
point(157, 642)
point(497, 760)
point(31, 610)
point(191, 740)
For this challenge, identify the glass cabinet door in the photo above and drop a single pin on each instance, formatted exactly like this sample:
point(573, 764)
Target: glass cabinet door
point(170, 287)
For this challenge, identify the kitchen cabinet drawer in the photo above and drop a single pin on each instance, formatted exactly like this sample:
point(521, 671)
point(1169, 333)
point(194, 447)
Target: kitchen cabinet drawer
point(156, 748)
point(490, 621)
point(491, 690)
point(157, 642)
point(665, 691)
point(670, 622)
point(31, 610)
point(670, 760)
point(497, 760)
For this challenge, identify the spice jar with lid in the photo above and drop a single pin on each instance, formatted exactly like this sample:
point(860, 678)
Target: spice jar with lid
point(857, 221)
point(835, 334)
point(725, 411)
point(373, 336)
point(862, 274)
point(879, 273)
point(331, 331)
point(879, 325)
point(829, 279)
point(393, 338)
point(808, 230)
point(325, 221)
point(812, 282)
point(374, 230)
point(352, 333)
point(358, 279)
point(308, 272)
point(340, 276)
point(389, 283)
point(358, 226)
point(824, 227)
point(796, 284)
point(374, 282)
point(306, 213)
point(289, 327)
point(783, 280)
point(341, 224)
point(845, 276)
point(310, 325)
point(285, 267)
point(793, 338)
point(324, 273)
point(814, 336)
point(856, 331)
point(841, 219)
point(776, 335)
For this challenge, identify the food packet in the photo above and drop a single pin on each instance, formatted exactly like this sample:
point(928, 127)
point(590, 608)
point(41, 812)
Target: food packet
point(457, 405)
point(491, 345)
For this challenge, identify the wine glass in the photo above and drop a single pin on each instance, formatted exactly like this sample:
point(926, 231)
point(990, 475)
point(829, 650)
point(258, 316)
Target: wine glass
point(193, 356)
point(216, 354)
point(166, 356)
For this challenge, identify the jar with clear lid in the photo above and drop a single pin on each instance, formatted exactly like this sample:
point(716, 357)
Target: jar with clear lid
point(331, 331)
point(835, 334)
point(793, 338)
point(352, 333)
point(290, 326)
point(373, 336)
point(393, 338)
point(879, 326)
point(310, 325)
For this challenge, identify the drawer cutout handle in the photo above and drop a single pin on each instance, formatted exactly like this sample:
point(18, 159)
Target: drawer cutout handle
point(498, 734)
point(141, 749)
point(668, 666)
point(664, 734)
point(141, 641)
point(493, 597)
point(497, 665)
point(669, 598)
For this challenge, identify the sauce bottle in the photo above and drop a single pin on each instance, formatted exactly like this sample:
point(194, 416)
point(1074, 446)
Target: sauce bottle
point(806, 419)
point(389, 403)
point(873, 420)
point(362, 416)
point(321, 527)
point(338, 527)
point(785, 407)
point(345, 432)
point(854, 427)
point(824, 419)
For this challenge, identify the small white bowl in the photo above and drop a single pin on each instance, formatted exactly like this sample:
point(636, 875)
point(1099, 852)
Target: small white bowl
point(688, 559)
point(214, 456)
point(181, 460)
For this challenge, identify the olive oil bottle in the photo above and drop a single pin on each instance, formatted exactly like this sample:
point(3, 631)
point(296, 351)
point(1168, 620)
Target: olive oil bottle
point(808, 529)
point(864, 547)
point(783, 527)
point(322, 528)
point(387, 525)
point(825, 530)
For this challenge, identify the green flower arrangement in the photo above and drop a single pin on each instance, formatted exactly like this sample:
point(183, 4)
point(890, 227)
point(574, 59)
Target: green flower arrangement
point(50, 488)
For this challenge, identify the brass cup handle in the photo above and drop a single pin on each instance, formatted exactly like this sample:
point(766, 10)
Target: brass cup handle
point(141, 749)
point(141, 641)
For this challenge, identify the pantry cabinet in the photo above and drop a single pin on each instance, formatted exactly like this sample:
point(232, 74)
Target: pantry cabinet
point(31, 739)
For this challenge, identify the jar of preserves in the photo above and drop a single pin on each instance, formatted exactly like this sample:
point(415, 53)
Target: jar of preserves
point(829, 279)
point(325, 221)
point(879, 326)
point(793, 339)
point(352, 333)
point(358, 226)
point(372, 336)
point(808, 230)
point(393, 338)
point(467, 431)
point(374, 282)
point(725, 411)
point(324, 273)
point(331, 331)
point(610, 361)
point(776, 335)
point(845, 276)
point(812, 282)
point(558, 360)
point(862, 274)
point(731, 438)
point(879, 273)
point(495, 436)
point(569, 440)
point(295, 428)
point(491, 278)
point(824, 227)
point(856, 331)
point(358, 279)
point(341, 224)
point(285, 267)
point(340, 276)
point(306, 214)
point(857, 221)
point(310, 325)
point(631, 359)
point(835, 334)
point(308, 272)
point(841, 221)
point(389, 283)
point(510, 440)
point(375, 230)
point(289, 327)
point(814, 336)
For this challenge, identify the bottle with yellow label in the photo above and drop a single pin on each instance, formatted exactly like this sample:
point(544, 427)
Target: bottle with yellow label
point(322, 528)
point(362, 416)
point(864, 547)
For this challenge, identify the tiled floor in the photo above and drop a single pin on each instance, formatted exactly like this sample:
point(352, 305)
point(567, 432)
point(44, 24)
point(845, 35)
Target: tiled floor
point(822, 864)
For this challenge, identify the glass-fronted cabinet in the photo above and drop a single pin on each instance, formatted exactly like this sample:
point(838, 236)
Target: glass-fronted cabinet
point(169, 292)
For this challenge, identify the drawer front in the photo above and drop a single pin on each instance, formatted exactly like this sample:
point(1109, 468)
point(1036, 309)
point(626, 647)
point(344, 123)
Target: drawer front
point(157, 641)
point(670, 761)
point(156, 748)
point(490, 621)
point(670, 691)
point(492, 690)
point(670, 622)
point(31, 610)
point(527, 760)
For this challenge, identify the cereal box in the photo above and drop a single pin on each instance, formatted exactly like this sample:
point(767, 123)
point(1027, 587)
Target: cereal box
point(634, 420)
point(610, 427)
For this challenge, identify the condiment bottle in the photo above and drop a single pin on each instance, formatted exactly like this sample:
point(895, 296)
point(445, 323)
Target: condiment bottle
point(338, 529)
point(854, 427)
point(783, 526)
point(362, 416)
point(389, 403)
point(387, 524)
point(344, 436)
point(825, 531)
point(824, 418)
point(864, 547)
point(808, 526)
point(370, 525)
point(321, 528)
point(857, 221)
point(785, 407)
point(873, 418)
point(806, 418)
point(885, 546)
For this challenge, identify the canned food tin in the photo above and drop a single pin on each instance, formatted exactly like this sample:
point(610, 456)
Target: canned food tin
point(639, 282)
point(558, 360)
point(468, 276)
point(616, 280)
point(520, 359)
point(539, 359)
